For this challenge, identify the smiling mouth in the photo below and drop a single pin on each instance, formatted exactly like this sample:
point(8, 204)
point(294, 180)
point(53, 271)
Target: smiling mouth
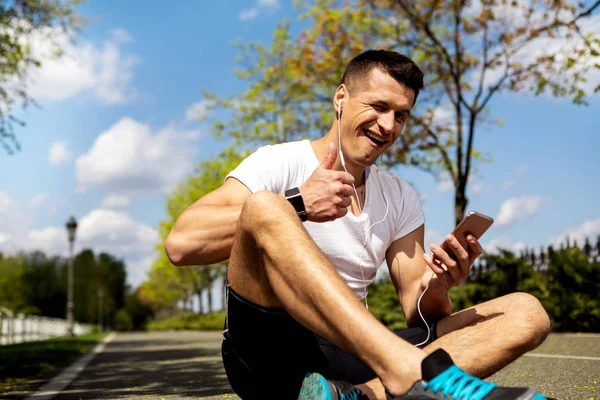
point(374, 138)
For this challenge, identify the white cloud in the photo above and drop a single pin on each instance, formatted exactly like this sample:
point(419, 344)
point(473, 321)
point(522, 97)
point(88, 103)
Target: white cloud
point(590, 229)
point(268, 3)
point(102, 230)
point(4, 237)
point(558, 46)
point(517, 208)
point(261, 5)
point(503, 243)
point(197, 110)
point(129, 158)
point(520, 171)
point(15, 220)
point(508, 184)
point(59, 153)
point(114, 201)
point(432, 236)
point(477, 188)
point(444, 185)
point(248, 14)
point(137, 270)
point(102, 70)
point(38, 199)
point(51, 239)
point(116, 232)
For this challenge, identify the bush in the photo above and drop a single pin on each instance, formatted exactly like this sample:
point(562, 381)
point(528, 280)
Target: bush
point(123, 321)
point(213, 321)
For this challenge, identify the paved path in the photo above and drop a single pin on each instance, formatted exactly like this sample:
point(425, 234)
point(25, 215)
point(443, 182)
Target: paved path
point(187, 365)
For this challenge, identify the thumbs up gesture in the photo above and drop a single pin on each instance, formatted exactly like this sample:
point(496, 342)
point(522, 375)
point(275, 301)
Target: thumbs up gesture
point(327, 193)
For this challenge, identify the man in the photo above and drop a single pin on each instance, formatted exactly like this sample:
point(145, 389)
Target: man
point(305, 226)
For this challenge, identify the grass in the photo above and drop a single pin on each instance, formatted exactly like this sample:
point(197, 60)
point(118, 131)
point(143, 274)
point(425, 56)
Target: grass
point(212, 321)
point(23, 361)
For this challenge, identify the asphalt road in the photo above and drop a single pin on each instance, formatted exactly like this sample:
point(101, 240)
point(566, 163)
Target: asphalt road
point(187, 365)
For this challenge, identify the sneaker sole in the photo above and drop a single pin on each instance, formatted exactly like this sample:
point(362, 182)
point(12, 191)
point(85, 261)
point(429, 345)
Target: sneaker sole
point(315, 387)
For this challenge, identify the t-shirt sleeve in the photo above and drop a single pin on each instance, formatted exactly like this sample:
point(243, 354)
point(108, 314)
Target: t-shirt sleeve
point(411, 215)
point(262, 170)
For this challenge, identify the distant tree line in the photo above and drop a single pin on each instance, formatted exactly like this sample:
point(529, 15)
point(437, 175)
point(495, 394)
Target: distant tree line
point(34, 283)
point(565, 280)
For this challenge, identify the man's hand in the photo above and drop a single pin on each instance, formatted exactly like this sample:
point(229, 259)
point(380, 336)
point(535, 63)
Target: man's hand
point(449, 271)
point(327, 193)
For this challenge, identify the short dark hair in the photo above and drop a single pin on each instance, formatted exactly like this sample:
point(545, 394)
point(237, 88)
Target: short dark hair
point(398, 66)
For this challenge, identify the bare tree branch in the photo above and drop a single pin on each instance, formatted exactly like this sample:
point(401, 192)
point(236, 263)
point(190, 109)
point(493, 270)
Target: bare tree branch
point(445, 158)
point(425, 26)
point(483, 68)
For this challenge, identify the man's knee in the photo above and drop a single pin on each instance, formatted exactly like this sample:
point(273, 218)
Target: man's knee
point(263, 209)
point(528, 314)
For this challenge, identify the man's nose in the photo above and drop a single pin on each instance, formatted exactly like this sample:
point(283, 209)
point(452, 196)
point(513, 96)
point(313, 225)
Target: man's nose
point(387, 122)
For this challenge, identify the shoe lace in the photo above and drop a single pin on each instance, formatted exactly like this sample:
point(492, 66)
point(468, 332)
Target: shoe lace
point(457, 383)
point(352, 395)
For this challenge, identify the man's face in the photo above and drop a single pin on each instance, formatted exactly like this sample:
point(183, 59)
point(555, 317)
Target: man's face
point(373, 117)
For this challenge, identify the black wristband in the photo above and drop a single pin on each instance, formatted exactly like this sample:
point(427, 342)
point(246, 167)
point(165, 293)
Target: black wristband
point(295, 198)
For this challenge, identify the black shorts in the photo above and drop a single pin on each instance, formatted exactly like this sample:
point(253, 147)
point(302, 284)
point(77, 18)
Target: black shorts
point(267, 353)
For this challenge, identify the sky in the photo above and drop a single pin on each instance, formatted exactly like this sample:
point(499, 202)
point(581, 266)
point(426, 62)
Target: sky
point(115, 131)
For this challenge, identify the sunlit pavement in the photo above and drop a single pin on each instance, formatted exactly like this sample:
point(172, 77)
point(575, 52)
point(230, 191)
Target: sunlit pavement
point(187, 365)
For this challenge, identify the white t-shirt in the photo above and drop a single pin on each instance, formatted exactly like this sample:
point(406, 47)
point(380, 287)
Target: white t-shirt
point(280, 167)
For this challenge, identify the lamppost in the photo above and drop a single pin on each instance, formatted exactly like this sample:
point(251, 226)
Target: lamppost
point(100, 319)
point(71, 227)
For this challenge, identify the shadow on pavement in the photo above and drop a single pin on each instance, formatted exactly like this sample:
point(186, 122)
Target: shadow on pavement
point(157, 365)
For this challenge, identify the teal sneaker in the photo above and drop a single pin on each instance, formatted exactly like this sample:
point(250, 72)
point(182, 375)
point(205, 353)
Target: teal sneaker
point(316, 387)
point(443, 380)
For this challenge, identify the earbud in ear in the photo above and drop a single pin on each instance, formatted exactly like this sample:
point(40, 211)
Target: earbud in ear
point(339, 110)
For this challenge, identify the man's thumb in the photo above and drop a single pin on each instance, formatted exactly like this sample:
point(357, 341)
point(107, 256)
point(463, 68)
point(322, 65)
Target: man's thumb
point(330, 157)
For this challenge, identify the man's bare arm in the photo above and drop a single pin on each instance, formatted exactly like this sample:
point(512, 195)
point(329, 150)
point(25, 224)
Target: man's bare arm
point(410, 275)
point(203, 233)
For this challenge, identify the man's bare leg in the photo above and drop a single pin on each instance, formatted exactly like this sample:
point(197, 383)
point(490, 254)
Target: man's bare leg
point(485, 338)
point(275, 263)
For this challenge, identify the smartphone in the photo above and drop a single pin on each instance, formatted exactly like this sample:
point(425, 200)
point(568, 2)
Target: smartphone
point(473, 223)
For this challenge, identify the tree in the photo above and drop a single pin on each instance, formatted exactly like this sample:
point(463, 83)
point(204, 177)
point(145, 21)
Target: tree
point(573, 282)
point(471, 51)
point(19, 20)
point(167, 284)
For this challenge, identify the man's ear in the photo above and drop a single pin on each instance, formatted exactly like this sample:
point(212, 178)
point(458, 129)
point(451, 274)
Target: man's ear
point(341, 94)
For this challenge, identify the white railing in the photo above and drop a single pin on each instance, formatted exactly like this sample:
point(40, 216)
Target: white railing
point(26, 328)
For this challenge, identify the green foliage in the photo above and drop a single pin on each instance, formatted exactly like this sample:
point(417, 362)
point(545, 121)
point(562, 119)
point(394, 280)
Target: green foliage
point(123, 321)
point(574, 284)
point(39, 359)
point(470, 52)
point(139, 312)
point(167, 284)
point(384, 304)
point(213, 321)
point(567, 286)
point(19, 20)
point(566, 282)
point(36, 284)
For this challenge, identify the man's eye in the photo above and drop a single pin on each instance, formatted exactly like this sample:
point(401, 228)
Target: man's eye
point(400, 118)
point(379, 107)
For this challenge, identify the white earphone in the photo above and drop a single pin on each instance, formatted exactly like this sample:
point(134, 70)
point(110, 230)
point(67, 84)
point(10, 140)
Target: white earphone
point(339, 115)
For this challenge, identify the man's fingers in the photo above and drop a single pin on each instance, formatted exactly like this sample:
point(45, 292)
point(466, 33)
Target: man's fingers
point(443, 257)
point(460, 255)
point(435, 265)
point(346, 178)
point(347, 191)
point(341, 212)
point(346, 201)
point(330, 158)
point(476, 249)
